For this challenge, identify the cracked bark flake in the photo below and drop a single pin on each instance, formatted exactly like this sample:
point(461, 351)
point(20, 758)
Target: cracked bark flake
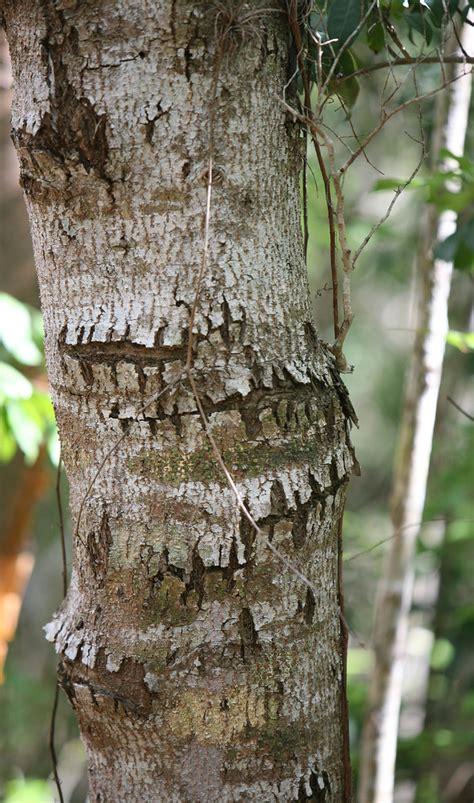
point(185, 643)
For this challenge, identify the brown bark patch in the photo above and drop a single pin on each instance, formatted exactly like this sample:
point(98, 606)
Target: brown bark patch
point(248, 634)
point(98, 547)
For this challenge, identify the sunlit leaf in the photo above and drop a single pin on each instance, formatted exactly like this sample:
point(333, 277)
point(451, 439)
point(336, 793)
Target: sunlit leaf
point(464, 341)
point(26, 427)
point(28, 790)
point(13, 385)
point(7, 441)
point(384, 184)
point(54, 447)
point(19, 329)
point(442, 654)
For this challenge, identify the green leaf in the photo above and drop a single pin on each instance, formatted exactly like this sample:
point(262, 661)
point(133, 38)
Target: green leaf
point(44, 407)
point(419, 23)
point(28, 791)
point(13, 385)
point(468, 233)
point(446, 199)
point(442, 654)
point(465, 163)
point(446, 249)
point(19, 330)
point(464, 341)
point(348, 92)
point(54, 447)
point(7, 441)
point(343, 18)
point(464, 257)
point(375, 36)
point(26, 426)
point(384, 184)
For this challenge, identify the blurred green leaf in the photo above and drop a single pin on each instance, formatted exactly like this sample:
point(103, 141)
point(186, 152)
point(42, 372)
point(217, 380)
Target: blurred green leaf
point(27, 426)
point(375, 34)
point(343, 18)
point(443, 737)
point(28, 791)
point(13, 385)
point(54, 447)
point(446, 249)
point(7, 441)
point(20, 328)
point(442, 654)
point(359, 661)
point(464, 341)
point(384, 184)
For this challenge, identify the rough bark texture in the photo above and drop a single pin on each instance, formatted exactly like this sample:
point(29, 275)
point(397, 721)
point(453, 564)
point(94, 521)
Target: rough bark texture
point(201, 669)
point(379, 741)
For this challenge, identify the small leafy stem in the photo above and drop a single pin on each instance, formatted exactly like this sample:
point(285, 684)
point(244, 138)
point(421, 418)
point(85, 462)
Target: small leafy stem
point(323, 35)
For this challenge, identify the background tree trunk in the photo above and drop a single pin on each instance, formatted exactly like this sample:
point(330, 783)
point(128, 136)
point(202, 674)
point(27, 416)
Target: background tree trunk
point(410, 478)
point(201, 669)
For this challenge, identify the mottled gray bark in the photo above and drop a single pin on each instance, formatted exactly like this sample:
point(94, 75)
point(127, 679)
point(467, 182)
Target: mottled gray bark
point(200, 667)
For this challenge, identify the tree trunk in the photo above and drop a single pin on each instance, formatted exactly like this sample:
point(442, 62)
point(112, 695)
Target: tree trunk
point(379, 741)
point(200, 667)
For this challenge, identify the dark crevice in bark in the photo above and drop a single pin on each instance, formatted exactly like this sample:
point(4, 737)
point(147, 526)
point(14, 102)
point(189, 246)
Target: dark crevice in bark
point(278, 501)
point(151, 121)
point(320, 788)
point(72, 130)
point(98, 543)
point(248, 635)
point(226, 322)
point(126, 686)
point(247, 536)
point(309, 607)
point(195, 580)
point(121, 351)
point(300, 521)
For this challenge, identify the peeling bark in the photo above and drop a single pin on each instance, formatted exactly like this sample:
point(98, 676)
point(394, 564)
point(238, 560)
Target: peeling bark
point(199, 666)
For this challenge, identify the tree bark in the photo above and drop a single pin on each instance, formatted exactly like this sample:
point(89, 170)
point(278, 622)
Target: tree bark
point(379, 740)
point(200, 667)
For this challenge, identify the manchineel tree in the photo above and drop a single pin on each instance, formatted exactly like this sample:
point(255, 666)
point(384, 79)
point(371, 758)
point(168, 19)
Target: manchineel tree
point(203, 422)
point(199, 664)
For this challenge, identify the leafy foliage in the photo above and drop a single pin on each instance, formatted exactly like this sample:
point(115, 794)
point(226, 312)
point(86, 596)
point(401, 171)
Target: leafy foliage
point(344, 37)
point(26, 413)
point(28, 791)
point(448, 188)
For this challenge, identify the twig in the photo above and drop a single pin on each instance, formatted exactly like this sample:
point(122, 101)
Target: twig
point(287, 563)
point(296, 33)
point(305, 201)
point(386, 116)
point(114, 448)
point(401, 529)
point(337, 348)
point(344, 47)
point(52, 748)
point(400, 62)
point(461, 410)
point(61, 524)
point(392, 203)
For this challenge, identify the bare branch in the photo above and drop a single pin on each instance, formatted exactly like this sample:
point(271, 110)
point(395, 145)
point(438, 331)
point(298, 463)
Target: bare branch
point(461, 410)
point(386, 116)
point(406, 60)
point(399, 189)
